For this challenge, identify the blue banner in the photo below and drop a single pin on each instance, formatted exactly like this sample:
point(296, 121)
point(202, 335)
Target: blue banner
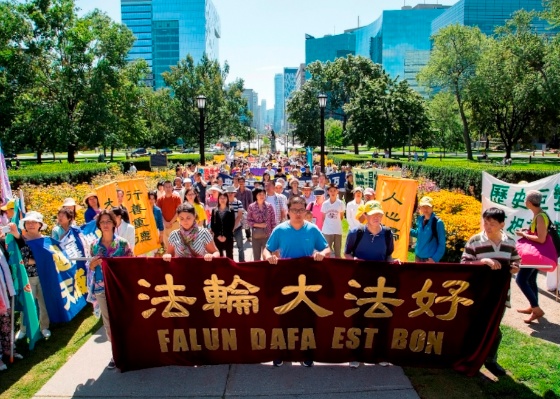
point(337, 178)
point(91, 232)
point(63, 281)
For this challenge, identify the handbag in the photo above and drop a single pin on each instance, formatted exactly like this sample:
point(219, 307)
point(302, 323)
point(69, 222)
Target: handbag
point(534, 253)
point(259, 233)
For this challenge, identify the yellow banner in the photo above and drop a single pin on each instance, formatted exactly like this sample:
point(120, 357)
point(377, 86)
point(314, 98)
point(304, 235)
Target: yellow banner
point(139, 208)
point(219, 158)
point(397, 196)
point(107, 195)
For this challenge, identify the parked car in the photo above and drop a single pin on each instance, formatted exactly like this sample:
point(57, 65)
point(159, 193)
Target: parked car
point(165, 151)
point(188, 151)
point(139, 152)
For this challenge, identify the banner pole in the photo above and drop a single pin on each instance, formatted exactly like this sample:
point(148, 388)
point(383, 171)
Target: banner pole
point(12, 337)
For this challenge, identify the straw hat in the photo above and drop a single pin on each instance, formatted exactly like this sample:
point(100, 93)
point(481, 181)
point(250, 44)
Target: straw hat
point(32, 216)
point(70, 202)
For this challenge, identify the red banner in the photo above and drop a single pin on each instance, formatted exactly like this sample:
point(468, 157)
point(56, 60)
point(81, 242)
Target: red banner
point(192, 312)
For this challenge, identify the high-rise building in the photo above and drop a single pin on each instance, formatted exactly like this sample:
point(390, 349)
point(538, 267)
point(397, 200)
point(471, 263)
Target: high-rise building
point(278, 102)
point(488, 14)
point(329, 47)
point(167, 30)
point(262, 116)
point(252, 98)
point(289, 90)
point(400, 40)
point(300, 76)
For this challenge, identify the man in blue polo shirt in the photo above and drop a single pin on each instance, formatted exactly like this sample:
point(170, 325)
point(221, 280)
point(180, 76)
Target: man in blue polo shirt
point(296, 238)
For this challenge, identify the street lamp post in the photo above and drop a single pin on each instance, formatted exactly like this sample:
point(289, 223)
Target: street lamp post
point(249, 140)
point(322, 104)
point(201, 104)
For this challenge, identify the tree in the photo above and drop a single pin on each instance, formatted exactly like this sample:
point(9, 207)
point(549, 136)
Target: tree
point(339, 80)
point(304, 113)
point(334, 134)
point(225, 108)
point(452, 66)
point(445, 121)
point(384, 109)
point(51, 57)
point(510, 90)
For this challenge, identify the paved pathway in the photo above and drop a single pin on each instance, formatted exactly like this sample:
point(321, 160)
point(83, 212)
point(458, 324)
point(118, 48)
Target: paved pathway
point(85, 376)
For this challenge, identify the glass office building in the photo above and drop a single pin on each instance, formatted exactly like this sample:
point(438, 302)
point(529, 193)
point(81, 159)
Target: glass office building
point(167, 30)
point(488, 14)
point(329, 47)
point(399, 40)
point(278, 102)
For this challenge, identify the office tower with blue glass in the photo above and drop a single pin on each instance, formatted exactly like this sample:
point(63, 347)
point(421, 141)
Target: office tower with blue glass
point(167, 30)
point(278, 102)
point(487, 15)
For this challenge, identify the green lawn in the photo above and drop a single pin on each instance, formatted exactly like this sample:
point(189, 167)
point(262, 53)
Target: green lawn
point(25, 377)
point(533, 367)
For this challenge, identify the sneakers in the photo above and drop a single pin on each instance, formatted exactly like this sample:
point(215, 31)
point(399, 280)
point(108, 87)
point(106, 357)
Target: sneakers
point(277, 363)
point(385, 364)
point(3, 366)
point(46, 333)
point(307, 363)
point(354, 365)
point(20, 335)
point(111, 364)
point(17, 356)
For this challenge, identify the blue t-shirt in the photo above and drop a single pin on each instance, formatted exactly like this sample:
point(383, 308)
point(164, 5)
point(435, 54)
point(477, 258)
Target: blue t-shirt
point(294, 243)
point(370, 247)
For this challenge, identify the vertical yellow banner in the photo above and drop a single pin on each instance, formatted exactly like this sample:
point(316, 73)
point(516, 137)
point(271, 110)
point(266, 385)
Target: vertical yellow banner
point(141, 215)
point(107, 195)
point(397, 196)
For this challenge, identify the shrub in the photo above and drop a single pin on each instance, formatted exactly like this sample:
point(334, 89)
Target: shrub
point(461, 215)
point(55, 173)
point(143, 163)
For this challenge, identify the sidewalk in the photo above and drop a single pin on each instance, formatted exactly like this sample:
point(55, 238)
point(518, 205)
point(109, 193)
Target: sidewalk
point(85, 376)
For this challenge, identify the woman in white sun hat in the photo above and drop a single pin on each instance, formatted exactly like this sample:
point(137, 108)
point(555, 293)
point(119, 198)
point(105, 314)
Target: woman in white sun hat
point(31, 226)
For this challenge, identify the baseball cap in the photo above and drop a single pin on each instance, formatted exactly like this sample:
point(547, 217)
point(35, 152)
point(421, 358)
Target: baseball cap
point(358, 189)
point(9, 205)
point(369, 191)
point(319, 191)
point(426, 201)
point(373, 207)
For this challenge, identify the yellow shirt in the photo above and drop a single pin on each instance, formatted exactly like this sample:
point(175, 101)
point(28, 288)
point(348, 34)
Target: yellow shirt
point(200, 214)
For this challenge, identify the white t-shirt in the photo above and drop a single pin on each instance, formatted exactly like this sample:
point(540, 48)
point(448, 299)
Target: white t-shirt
point(332, 223)
point(351, 211)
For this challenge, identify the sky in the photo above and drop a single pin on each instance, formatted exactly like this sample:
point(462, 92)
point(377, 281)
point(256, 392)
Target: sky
point(261, 37)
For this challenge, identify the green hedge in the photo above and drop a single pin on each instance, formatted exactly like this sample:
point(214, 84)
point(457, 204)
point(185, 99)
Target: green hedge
point(143, 163)
point(55, 173)
point(465, 175)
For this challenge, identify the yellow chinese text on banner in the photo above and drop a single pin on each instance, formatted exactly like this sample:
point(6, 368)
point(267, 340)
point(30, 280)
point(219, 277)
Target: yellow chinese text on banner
point(141, 215)
point(397, 196)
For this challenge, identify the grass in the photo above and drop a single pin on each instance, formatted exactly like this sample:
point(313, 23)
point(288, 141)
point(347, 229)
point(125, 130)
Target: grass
point(533, 372)
point(24, 378)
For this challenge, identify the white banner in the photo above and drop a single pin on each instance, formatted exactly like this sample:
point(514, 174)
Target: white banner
point(511, 198)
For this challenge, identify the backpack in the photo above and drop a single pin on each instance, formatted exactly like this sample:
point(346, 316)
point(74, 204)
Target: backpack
point(360, 234)
point(553, 232)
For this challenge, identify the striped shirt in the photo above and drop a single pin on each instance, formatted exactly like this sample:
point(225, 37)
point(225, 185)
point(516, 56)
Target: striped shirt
point(198, 245)
point(480, 246)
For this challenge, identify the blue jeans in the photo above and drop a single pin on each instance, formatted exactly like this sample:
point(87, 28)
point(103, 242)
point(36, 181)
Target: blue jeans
point(527, 282)
point(238, 235)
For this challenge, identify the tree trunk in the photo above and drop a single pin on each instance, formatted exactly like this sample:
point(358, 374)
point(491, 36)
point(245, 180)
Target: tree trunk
point(54, 156)
point(112, 152)
point(466, 134)
point(356, 148)
point(71, 153)
point(39, 160)
point(105, 151)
